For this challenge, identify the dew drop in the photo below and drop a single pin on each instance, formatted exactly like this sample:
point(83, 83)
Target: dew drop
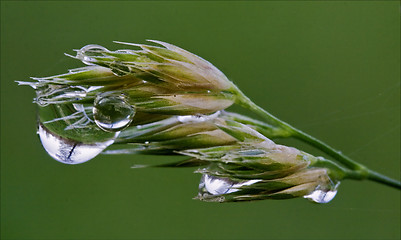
point(69, 151)
point(86, 53)
point(217, 185)
point(322, 195)
point(140, 166)
point(197, 118)
point(112, 112)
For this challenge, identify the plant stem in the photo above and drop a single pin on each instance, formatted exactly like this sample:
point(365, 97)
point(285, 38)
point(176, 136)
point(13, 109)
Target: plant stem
point(377, 177)
point(359, 171)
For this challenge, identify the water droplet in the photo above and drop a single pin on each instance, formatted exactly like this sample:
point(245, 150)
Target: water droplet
point(217, 185)
point(322, 195)
point(69, 151)
point(197, 118)
point(112, 112)
point(86, 53)
point(140, 166)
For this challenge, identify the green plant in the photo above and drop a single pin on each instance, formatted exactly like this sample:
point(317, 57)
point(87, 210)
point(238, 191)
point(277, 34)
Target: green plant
point(166, 100)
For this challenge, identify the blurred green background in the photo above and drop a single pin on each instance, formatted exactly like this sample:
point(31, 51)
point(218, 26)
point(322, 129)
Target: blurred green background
point(330, 68)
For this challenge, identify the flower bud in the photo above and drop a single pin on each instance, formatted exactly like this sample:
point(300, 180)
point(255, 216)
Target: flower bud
point(162, 80)
point(186, 132)
point(224, 183)
point(173, 134)
point(130, 87)
point(256, 168)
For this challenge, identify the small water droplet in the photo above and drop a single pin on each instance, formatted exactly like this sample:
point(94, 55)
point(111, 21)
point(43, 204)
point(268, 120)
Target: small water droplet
point(86, 53)
point(218, 185)
point(322, 195)
point(112, 112)
point(197, 118)
point(69, 151)
point(140, 166)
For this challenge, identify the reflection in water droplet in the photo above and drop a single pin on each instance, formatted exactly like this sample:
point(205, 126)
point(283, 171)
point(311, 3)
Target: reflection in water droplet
point(54, 94)
point(112, 112)
point(84, 54)
point(69, 151)
point(322, 195)
point(218, 186)
point(77, 119)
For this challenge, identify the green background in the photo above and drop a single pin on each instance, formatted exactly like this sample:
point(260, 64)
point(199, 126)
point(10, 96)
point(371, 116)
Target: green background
point(330, 68)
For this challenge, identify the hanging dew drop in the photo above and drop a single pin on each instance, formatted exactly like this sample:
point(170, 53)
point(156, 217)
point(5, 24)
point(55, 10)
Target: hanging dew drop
point(217, 185)
point(68, 151)
point(322, 195)
point(112, 112)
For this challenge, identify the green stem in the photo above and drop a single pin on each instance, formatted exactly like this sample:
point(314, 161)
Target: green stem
point(359, 171)
point(377, 177)
point(341, 158)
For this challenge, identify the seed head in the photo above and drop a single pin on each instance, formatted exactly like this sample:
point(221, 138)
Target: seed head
point(256, 168)
point(186, 132)
point(163, 80)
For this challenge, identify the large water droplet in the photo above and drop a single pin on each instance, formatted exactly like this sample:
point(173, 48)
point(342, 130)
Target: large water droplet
point(69, 151)
point(112, 112)
point(322, 195)
point(86, 53)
